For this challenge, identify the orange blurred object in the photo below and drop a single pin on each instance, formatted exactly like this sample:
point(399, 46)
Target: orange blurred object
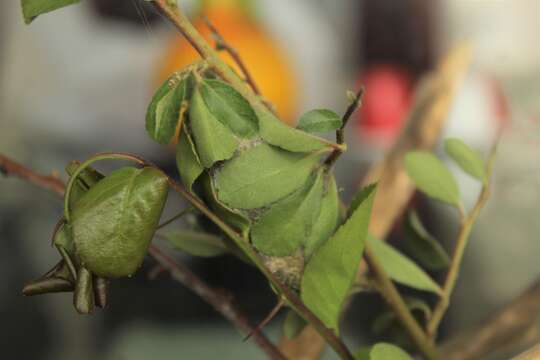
point(264, 59)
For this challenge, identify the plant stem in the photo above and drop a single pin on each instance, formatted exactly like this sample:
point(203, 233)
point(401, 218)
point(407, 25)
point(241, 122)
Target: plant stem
point(395, 301)
point(457, 257)
point(340, 133)
point(9, 167)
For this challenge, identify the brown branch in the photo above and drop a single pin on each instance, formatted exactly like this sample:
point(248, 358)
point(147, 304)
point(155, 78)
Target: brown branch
point(222, 44)
point(50, 182)
point(500, 331)
point(222, 303)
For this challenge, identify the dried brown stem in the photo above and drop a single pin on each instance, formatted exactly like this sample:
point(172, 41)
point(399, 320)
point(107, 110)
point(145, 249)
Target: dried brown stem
point(222, 303)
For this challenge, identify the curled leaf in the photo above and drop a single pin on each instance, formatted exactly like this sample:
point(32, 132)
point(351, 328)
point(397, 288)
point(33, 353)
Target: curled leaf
point(213, 140)
point(261, 175)
point(187, 161)
point(277, 133)
point(285, 226)
point(328, 219)
point(229, 107)
point(164, 115)
point(114, 222)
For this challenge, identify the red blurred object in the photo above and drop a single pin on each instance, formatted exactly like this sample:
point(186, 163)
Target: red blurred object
point(386, 102)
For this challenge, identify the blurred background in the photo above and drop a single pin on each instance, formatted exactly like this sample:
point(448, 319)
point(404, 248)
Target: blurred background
point(77, 82)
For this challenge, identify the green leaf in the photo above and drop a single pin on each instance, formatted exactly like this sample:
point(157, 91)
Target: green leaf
point(422, 246)
point(319, 120)
point(281, 230)
point(330, 273)
point(232, 217)
point(280, 134)
point(229, 107)
point(388, 318)
point(328, 219)
point(213, 140)
point(33, 8)
point(468, 159)
point(197, 243)
point(187, 161)
point(432, 177)
point(360, 197)
point(293, 324)
point(400, 268)
point(362, 353)
point(114, 222)
point(262, 175)
point(386, 351)
point(163, 116)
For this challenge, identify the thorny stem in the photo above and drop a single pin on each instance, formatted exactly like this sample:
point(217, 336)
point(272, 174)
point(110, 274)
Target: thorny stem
point(179, 20)
point(340, 133)
point(395, 301)
point(461, 243)
point(222, 303)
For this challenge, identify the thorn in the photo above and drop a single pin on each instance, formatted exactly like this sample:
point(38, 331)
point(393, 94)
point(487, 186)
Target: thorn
point(267, 319)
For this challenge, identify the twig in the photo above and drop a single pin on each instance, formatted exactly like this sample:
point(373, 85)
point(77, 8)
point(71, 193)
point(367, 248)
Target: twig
point(457, 257)
point(221, 44)
point(272, 314)
point(340, 133)
point(221, 303)
point(502, 329)
point(174, 218)
point(9, 167)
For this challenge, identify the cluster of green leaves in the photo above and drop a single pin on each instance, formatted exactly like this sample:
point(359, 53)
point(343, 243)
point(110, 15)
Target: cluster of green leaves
point(268, 181)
